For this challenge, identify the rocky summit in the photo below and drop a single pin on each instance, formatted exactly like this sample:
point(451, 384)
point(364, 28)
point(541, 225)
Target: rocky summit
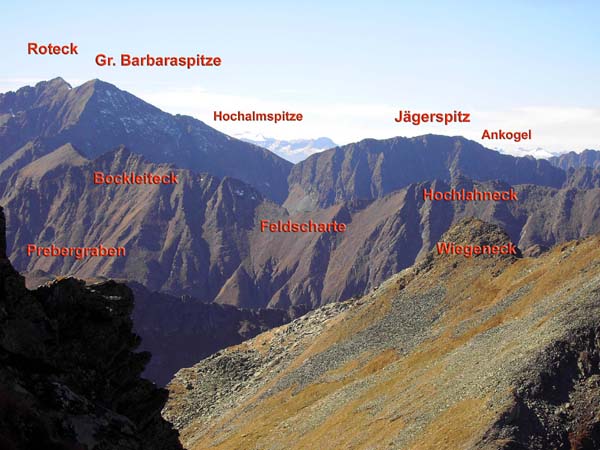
point(69, 373)
point(97, 117)
point(485, 352)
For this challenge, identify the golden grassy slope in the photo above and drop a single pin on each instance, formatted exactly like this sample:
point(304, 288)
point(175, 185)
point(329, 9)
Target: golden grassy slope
point(444, 392)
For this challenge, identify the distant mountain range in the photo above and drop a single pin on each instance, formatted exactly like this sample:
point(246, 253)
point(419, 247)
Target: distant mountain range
point(201, 238)
point(373, 168)
point(295, 150)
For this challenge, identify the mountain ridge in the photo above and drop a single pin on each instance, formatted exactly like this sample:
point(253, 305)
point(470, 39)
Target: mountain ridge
point(586, 158)
point(370, 169)
point(202, 237)
point(96, 117)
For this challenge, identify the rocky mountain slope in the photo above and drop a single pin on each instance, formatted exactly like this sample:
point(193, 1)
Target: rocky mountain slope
point(473, 353)
point(97, 117)
point(587, 158)
point(202, 236)
point(186, 237)
point(372, 168)
point(583, 178)
point(391, 233)
point(70, 376)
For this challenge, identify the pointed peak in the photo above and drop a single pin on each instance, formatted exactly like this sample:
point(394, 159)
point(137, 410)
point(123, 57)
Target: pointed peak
point(97, 85)
point(99, 82)
point(324, 142)
point(239, 188)
point(473, 231)
point(118, 102)
point(55, 84)
point(70, 150)
point(59, 82)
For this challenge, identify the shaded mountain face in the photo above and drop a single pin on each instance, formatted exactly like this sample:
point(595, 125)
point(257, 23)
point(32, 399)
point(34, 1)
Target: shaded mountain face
point(97, 117)
point(202, 237)
point(180, 331)
point(371, 169)
point(70, 376)
point(583, 178)
point(391, 233)
point(481, 353)
point(186, 238)
point(587, 158)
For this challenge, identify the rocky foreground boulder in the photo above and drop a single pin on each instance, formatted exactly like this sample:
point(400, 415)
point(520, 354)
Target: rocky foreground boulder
point(487, 352)
point(69, 374)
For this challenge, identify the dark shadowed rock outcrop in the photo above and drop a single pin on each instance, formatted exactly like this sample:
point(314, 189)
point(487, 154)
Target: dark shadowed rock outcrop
point(69, 373)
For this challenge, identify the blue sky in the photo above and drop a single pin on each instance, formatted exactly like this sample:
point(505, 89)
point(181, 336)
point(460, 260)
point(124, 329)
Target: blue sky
point(348, 66)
